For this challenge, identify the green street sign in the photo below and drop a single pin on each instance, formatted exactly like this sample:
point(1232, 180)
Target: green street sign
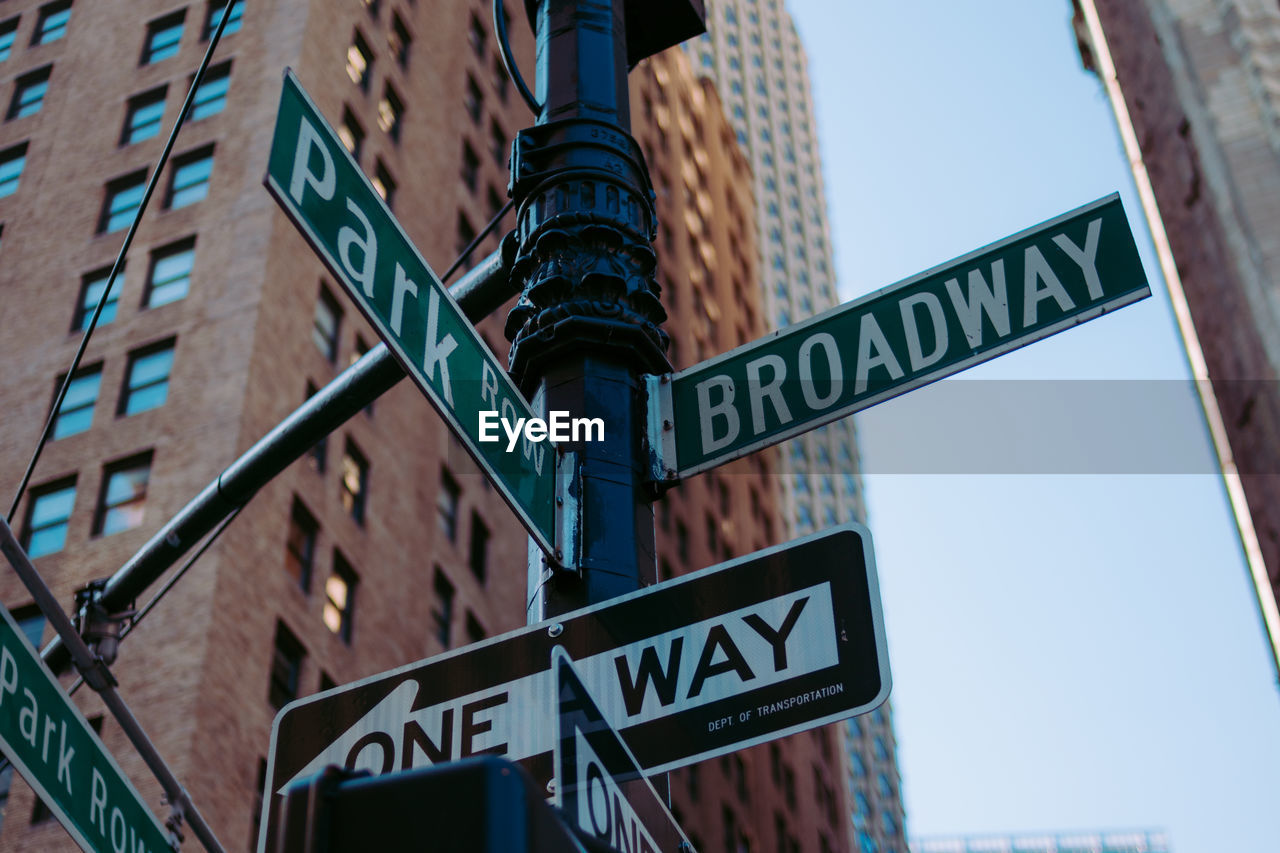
point(321, 188)
point(1040, 281)
point(53, 747)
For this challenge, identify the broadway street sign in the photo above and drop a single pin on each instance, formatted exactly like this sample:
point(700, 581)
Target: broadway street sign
point(323, 191)
point(1026, 287)
point(599, 785)
point(48, 740)
point(757, 648)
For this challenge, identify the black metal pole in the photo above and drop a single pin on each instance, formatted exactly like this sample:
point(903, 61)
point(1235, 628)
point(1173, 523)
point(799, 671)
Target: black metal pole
point(479, 292)
point(587, 324)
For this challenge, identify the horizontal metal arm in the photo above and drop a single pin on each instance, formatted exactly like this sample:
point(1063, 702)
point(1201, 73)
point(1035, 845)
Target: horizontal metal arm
point(481, 290)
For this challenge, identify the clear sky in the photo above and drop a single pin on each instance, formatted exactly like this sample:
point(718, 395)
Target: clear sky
point(1074, 646)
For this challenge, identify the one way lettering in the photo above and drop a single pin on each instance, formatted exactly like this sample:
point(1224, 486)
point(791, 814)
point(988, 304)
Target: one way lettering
point(720, 655)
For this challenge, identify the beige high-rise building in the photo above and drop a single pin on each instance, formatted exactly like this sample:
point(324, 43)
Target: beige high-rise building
point(787, 795)
point(385, 544)
point(1195, 86)
point(754, 54)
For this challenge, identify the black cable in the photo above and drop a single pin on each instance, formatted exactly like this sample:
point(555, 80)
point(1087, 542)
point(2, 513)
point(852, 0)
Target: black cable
point(509, 61)
point(476, 240)
point(120, 258)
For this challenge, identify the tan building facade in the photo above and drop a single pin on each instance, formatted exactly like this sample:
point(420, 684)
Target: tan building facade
point(384, 545)
point(788, 795)
point(1195, 85)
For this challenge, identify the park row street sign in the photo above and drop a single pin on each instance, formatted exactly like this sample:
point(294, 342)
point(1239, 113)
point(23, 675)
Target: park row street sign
point(314, 178)
point(1048, 278)
point(757, 648)
point(62, 759)
point(599, 785)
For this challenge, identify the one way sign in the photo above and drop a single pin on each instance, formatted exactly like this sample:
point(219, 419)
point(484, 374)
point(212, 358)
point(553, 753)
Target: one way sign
point(761, 647)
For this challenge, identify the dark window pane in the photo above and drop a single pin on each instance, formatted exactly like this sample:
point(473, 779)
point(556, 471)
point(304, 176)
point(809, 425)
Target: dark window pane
point(53, 21)
point(123, 498)
point(211, 97)
point(170, 278)
point(142, 120)
point(164, 37)
point(75, 415)
point(300, 547)
point(286, 666)
point(147, 379)
point(48, 513)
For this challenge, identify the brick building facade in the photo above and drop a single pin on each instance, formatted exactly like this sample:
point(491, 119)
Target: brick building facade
point(1196, 91)
point(385, 544)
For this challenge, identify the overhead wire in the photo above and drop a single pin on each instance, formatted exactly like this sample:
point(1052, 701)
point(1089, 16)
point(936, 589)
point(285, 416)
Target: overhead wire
point(508, 60)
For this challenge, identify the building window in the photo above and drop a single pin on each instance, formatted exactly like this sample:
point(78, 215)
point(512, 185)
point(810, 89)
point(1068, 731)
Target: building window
point(258, 794)
point(75, 415)
point(351, 133)
point(48, 512)
point(30, 621)
point(470, 166)
point(355, 482)
point(475, 631)
point(143, 115)
point(122, 501)
point(497, 143)
point(443, 612)
point(372, 6)
point(478, 557)
point(476, 36)
point(286, 666)
point(300, 546)
point(92, 286)
point(474, 100)
point(164, 37)
point(211, 97)
point(398, 41)
point(214, 17)
point(390, 112)
point(359, 61)
point(11, 164)
point(466, 232)
point(52, 24)
point(146, 383)
point(317, 456)
point(189, 178)
point(383, 183)
point(325, 326)
point(8, 32)
point(340, 598)
point(359, 351)
point(883, 787)
point(28, 93)
point(447, 505)
point(123, 198)
point(501, 82)
point(170, 277)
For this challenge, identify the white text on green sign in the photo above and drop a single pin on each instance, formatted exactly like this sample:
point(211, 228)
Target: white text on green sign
point(1026, 287)
point(57, 752)
point(322, 189)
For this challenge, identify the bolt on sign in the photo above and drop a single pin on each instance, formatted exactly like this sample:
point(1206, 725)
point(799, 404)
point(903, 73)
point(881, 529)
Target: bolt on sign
point(321, 188)
point(1043, 280)
point(757, 648)
point(62, 759)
